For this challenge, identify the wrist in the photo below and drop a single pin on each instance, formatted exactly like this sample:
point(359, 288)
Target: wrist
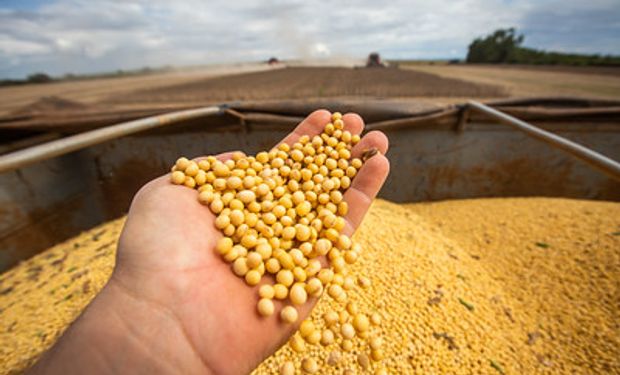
point(121, 333)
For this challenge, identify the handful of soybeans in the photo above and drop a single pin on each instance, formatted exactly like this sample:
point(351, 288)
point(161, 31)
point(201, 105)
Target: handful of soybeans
point(282, 213)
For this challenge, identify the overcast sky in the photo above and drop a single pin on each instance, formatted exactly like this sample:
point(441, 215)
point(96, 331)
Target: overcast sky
point(85, 36)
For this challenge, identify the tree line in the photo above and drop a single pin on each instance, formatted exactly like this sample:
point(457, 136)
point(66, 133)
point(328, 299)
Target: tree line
point(505, 46)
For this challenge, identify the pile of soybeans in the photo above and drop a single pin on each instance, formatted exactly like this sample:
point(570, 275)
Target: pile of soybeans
point(484, 286)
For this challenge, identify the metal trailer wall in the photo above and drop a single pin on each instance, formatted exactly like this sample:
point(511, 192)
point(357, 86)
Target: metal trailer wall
point(45, 203)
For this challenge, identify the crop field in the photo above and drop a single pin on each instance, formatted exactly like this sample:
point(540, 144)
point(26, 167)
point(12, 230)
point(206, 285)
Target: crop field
point(315, 82)
point(438, 83)
point(592, 82)
point(90, 92)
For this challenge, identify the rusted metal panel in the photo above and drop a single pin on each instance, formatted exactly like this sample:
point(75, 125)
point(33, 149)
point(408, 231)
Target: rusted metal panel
point(588, 155)
point(488, 161)
point(48, 202)
point(433, 165)
point(45, 203)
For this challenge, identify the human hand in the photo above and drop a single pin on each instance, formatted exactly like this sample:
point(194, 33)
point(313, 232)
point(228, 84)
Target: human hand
point(183, 306)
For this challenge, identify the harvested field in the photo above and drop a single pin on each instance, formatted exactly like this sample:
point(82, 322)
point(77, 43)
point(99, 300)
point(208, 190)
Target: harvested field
point(598, 82)
point(613, 71)
point(484, 286)
point(314, 82)
point(96, 90)
point(438, 83)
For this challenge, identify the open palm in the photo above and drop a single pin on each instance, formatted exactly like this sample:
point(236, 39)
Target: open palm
point(166, 258)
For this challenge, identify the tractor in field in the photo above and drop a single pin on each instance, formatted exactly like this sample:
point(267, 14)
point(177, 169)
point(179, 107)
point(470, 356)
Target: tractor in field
point(374, 61)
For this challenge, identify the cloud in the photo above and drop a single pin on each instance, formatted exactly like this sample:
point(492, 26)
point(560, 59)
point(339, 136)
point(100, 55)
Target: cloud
point(84, 36)
point(585, 27)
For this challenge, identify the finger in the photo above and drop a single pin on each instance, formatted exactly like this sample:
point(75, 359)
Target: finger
point(353, 123)
point(374, 139)
point(364, 189)
point(311, 126)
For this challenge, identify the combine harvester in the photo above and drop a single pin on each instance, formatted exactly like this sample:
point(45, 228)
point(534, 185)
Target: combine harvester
point(63, 174)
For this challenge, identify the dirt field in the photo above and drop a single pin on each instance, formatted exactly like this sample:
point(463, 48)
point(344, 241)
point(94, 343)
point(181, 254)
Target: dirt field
point(603, 82)
point(595, 70)
point(94, 91)
point(314, 82)
point(435, 83)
